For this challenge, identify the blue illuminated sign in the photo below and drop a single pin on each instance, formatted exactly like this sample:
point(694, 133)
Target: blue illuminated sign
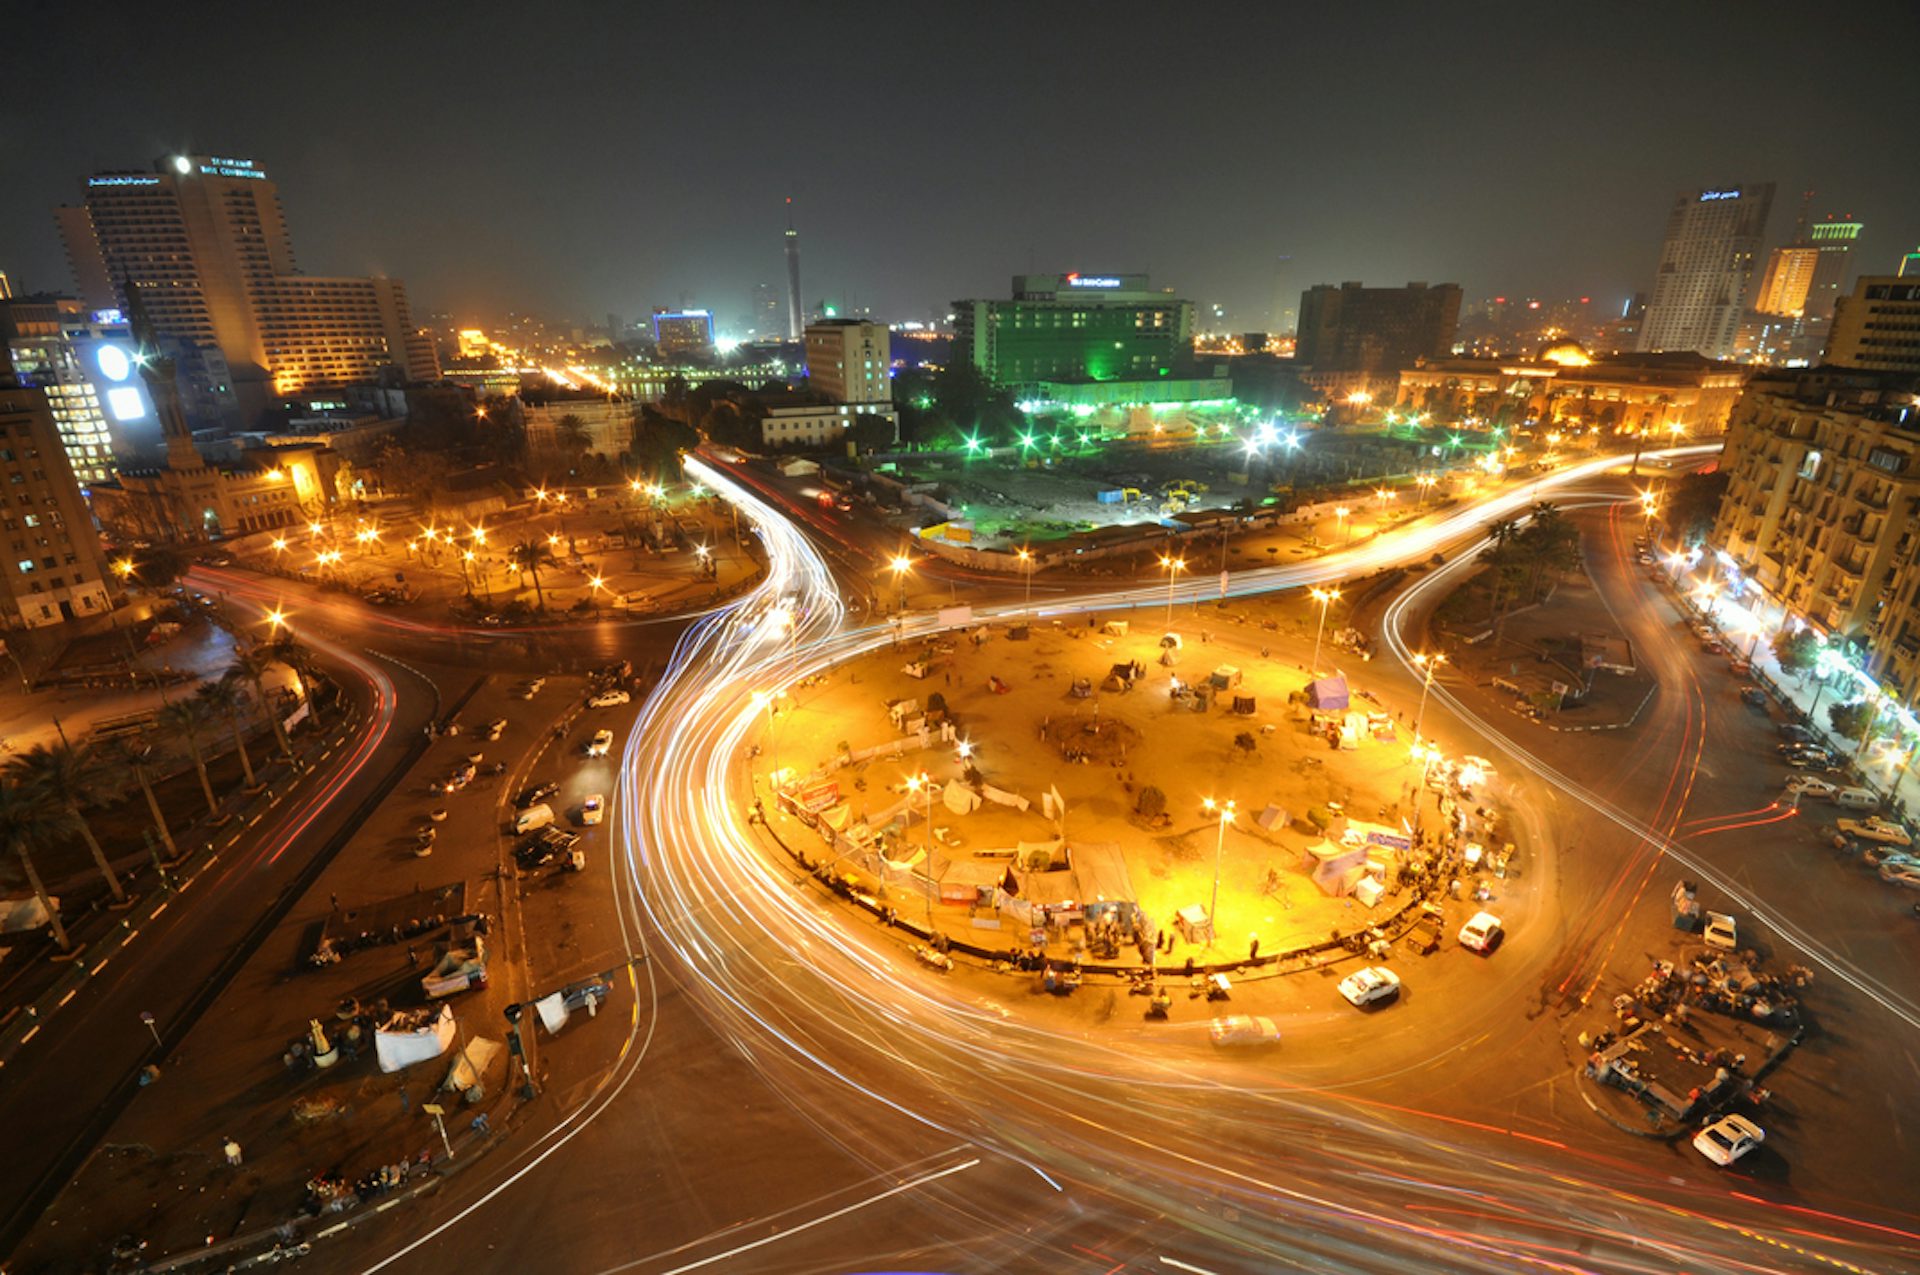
point(123, 181)
point(1709, 195)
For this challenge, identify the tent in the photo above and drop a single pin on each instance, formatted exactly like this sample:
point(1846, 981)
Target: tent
point(413, 1036)
point(1335, 868)
point(1243, 705)
point(1327, 692)
point(1115, 628)
point(1224, 678)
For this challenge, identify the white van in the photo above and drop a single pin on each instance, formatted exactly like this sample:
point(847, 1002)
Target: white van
point(533, 818)
point(1857, 799)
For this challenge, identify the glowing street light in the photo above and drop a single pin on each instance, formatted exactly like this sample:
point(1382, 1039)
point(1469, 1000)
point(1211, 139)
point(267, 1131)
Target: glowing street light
point(1225, 814)
point(1431, 663)
point(1342, 514)
point(1026, 560)
point(1324, 597)
point(919, 784)
point(1173, 567)
point(900, 566)
point(123, 567)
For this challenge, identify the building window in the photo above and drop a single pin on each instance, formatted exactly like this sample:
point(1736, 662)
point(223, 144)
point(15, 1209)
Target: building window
point(26, 565)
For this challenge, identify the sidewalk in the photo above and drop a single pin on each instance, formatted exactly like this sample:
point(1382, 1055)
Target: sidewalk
point(323, 1146)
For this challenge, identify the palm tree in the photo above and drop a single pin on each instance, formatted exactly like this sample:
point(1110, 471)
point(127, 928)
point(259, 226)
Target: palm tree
point(530, 556)
point(26, 818)
point(133, 752)
point(288, 651)
point(251, 663)
point(1502, 532)
point(64, 775)
point(571, 433)
point(185, 718)
point(224, 696)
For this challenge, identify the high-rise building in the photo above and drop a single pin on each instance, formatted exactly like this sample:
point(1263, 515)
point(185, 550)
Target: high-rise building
point(1074, 327)
point(1909, 264)
point(1787, 280)
point(84, 362)
point(1877, 326)
point(1705, 277)
point(793, 276)
point(683, 334)
point(1834, 238)
point(6, 288)
point(850, 360)
point(204, 239)
point(769, 320)
point(1375, 332)
point(54, 568)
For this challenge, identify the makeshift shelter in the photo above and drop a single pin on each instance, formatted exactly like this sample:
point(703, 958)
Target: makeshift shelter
point(1170, 641)
point(1114, 628)
point(1336, 868)
point(1224, 678)
point(959, 799)
point(463, 965)
point(1082, 688)
point(1243, 705)
point(1270, 818)
point(1327, 693)
point(413, 1036)
point(468, 1074)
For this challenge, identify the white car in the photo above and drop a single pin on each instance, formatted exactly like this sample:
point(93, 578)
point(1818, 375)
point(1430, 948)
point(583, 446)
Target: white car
point(1901, 874)
point(593, 809)
point(1728, 1138)
point(1482, 933)
point(1811, 786)
point(602, 741)
point(608, 699)
point(1243, 1029)
point(1375, 983)
point(1721, 932)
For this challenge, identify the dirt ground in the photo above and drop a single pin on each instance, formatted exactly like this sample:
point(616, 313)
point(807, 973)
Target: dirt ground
point(1146, 738)
point(1537, 648)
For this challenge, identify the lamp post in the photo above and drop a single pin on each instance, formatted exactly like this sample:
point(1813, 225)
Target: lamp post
point(922, 785)
point(1324, 597)
point(1026, 560)
point(1219, 845)
point(1431, 663)
point(900, 566)
point(1173, 568)
point(1343, 515)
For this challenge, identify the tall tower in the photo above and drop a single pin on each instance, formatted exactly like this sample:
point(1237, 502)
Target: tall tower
point(793, 276)
point(1705, 278)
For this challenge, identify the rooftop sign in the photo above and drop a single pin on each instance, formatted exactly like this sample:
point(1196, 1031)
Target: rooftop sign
point(123, 181)
point(1707, 196)
point(1092, 281)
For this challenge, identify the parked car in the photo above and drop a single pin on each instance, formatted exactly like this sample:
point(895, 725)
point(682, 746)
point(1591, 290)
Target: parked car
point(1881, 831)
point(1811, 786)
point(609, 699)
point(1482, 933)
point(1905, 874)
point(538, 815)
point(1243, 1029)
point(1753, 696)
point(536, 793)
point(1795, 733)
point(593, 809)
point(1375, 983)
point(545, 846)
point(1721, 932)
point(601, 742)
point(1728, 1138)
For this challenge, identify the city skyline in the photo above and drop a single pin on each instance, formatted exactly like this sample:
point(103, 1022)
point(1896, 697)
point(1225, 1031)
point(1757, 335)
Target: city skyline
point(486, 207)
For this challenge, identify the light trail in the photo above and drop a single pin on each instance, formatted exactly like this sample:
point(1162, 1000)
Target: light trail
point(841, 1019)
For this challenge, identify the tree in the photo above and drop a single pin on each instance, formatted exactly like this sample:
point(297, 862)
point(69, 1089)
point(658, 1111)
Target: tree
point(159, 566)
point(868, 432)
point(1849, 721)
point(66, 775)
point(28, 819)
point(186, 718)
point(570, 432)
point(224, 696)
point(288, 651)
point(133, 752)
point(1502, 532)
point(1796, 652)
point(530, 556)
point(251, 664)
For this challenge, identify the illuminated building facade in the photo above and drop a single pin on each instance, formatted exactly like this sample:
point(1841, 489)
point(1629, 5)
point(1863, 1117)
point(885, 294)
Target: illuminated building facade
point(1823, 491)
point(204, 240)
point(1655, 394)
point(1788, 279)
point(1374, 333)
point(683, 334)
point(1705, 275)
point(1877, 327)
point(1075, 328)
point(850, 360)
point(84, 362)
point(54, 568)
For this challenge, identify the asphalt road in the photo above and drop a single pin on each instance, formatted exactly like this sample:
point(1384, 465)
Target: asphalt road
point(61, 1091)
point(796, 1083)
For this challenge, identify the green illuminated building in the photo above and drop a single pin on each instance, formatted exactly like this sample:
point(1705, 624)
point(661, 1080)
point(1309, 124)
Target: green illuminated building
point(1110, 330)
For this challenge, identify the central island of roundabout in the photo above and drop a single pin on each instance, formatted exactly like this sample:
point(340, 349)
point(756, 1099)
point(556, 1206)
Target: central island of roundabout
point(1092, 799)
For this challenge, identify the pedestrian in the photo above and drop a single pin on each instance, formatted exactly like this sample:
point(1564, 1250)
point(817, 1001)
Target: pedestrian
point(232, 1149)
point(406, 1103)
point(410, 957)
point(481, 1125)
point(1189, 967)
point(333, 902)
point(1253, 949)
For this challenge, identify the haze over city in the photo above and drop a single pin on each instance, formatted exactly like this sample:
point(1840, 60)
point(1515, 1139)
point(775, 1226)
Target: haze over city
point(614, 158)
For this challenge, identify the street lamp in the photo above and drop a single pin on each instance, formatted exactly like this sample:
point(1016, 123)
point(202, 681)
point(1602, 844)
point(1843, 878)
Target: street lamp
point(922, 783)
point(1324, 597)
point(1173, 567)
point(1219, 844)
point(900, 566)
point(1340, 516)
point(1026, 559)
point(1431, 663)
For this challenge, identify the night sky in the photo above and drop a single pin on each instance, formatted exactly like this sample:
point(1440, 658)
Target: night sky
point(574, 160)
